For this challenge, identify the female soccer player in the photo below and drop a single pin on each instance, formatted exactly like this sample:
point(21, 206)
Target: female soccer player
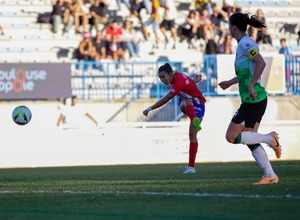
point(249, 66)
point(191, 103)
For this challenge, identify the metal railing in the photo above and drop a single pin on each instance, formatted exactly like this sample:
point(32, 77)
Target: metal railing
point(209, 84)
point(130, 81)
point(292, 74)
point(117, 80)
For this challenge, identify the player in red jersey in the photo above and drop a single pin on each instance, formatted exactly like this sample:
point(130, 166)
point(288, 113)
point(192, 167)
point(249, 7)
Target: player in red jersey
point(191, 103)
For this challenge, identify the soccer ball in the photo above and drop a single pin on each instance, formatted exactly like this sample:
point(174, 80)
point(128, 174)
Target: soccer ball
point(21, 115)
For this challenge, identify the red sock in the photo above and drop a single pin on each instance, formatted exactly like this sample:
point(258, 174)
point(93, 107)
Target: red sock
point(192, 154)
point(190, 112)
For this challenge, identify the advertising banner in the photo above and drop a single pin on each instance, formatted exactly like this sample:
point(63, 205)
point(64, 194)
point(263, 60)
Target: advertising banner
point(273, 77)
point(35, 81)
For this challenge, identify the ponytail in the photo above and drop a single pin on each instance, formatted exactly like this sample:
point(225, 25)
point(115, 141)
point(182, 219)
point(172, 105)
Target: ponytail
point(254, 22)
point(242, 20)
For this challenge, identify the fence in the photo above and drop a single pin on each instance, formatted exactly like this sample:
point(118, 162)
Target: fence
point(117, 80)
point(133, 80)
point(292, 73)
point(209, 84)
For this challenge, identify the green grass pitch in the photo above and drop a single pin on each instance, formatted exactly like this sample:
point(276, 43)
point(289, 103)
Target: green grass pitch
point(159, 191)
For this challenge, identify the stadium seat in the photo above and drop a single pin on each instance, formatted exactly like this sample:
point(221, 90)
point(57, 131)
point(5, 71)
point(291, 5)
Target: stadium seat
point(7, 13)
point(294, 2)
point(295, 13)
point(283, 2)
point(257, 2)
point(243, 2)
point(3, 49)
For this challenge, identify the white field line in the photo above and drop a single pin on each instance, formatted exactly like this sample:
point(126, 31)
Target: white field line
point(223, 195)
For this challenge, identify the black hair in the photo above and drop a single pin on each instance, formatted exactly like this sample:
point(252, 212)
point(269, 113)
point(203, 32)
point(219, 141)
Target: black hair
point(166, 68)
point(242, 20)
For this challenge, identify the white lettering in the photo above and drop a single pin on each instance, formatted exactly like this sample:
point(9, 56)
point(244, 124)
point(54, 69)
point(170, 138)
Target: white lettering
point(36, 75)
point(7, 75)
point(19, 80)
point(28, 86)
point(6, 86)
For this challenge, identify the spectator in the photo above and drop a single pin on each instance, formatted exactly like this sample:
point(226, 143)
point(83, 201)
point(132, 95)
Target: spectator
point(226, 46)
point(131, 39)
point(86, 49)
point(99, 14)
point(80, 13)
point(145, 3)
point(218, 16)
point(126, 2)
point(284, 49)
point(168, 23)
point(206, 25)
point(115, 50)
point(100, 46)
point(201, 4)
point(114, 29)
point(61, 13)
point(154, 20)
point(260, 34)
point(229, 7)
point(211, 47)
point(136, 7)
point(192, 28)
point(287, 52)
point(298, 40)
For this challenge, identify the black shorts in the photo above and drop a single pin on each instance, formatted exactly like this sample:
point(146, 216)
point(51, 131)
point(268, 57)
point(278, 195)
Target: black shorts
point(250, 113)
point(167, 24)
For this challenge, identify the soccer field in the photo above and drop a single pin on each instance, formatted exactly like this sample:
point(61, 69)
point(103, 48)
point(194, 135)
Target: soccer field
point(51, 173)
point(216, 191)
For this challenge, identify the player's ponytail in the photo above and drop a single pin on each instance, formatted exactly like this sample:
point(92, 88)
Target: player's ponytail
point(253, 22)
point(241, 21)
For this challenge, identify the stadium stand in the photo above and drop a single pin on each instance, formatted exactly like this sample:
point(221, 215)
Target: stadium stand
point(26, 40)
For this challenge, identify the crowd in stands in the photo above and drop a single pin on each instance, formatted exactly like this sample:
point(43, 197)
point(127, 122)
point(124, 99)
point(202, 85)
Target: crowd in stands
point(1, 30)
point(106, 37)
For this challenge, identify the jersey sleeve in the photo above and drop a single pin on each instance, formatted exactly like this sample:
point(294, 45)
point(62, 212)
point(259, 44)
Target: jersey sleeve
point(250, 49)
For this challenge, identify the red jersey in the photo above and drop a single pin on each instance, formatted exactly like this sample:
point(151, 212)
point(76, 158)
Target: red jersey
point(111, 31)
point(184, 86)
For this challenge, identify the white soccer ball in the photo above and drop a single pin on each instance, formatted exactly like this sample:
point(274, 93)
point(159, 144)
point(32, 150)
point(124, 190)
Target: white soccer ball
point(21, 115)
